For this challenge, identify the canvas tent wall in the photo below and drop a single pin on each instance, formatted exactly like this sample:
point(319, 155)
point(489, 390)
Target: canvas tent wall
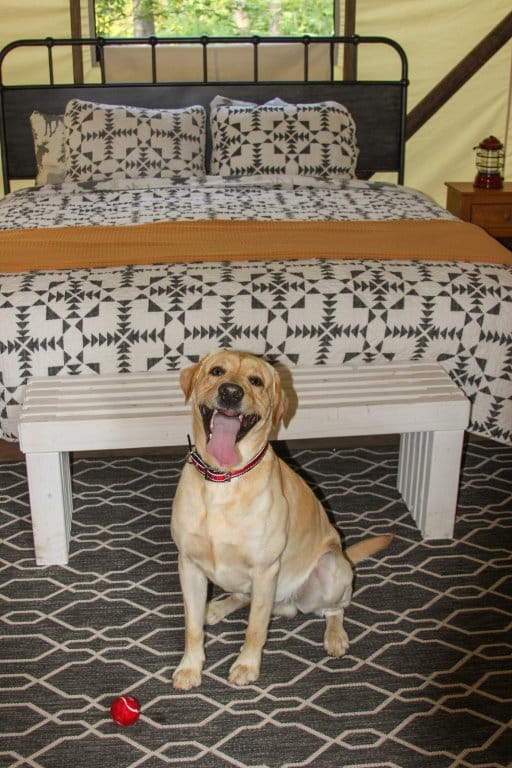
point(435, 35)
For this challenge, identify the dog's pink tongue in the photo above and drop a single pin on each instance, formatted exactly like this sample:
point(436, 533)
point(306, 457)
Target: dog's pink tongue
point(222, 441)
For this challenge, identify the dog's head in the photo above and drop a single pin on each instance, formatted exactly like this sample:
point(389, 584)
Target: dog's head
point(236, 400)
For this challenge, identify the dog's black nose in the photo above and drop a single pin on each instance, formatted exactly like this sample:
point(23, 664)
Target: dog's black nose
point(230, 394)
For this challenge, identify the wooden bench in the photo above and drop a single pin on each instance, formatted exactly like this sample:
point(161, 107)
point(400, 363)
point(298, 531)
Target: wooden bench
point(419, 401)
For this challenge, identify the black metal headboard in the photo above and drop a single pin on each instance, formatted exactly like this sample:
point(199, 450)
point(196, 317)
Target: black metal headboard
point(378, 106)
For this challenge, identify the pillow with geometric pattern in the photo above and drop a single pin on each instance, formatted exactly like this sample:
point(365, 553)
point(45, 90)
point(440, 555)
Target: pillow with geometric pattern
point(280, 138)
point(48, 134)
point(108, 141)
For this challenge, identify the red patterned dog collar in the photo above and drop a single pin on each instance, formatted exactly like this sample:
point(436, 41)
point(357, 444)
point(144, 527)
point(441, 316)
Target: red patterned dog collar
point(217, 475)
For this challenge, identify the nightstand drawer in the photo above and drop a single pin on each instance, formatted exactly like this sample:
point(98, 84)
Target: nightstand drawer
point(492, 216)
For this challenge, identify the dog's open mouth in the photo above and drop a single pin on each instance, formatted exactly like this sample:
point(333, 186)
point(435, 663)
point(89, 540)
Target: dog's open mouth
point(224, 428)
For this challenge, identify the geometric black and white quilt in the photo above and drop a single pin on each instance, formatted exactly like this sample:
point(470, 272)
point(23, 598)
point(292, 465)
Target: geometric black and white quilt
point(261, 198)
point(300, 312)
point(309, 312)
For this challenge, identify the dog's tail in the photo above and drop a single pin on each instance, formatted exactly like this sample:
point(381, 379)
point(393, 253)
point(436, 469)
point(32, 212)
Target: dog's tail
point(363, 549)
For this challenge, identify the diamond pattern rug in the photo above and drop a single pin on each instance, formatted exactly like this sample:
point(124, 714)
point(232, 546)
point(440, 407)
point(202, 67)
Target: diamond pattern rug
point(426, 682)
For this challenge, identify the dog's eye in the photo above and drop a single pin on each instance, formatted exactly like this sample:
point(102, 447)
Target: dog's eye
point(217, 370)
point(256, 381)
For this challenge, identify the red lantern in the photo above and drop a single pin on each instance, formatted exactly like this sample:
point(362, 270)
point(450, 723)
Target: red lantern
point(490, 164)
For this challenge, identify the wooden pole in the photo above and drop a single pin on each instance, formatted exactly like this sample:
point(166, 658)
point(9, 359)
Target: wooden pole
point(76, 32)
point(350, 51)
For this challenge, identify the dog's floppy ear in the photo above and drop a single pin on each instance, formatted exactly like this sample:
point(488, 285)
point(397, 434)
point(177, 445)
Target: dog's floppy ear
point(280, 400)
point(188, 376)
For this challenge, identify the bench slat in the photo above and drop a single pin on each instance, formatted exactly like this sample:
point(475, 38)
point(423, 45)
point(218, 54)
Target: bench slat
point(145, 410)
point(52, 409)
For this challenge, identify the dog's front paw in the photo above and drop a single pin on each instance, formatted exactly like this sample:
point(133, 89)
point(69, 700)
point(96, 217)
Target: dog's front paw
point(185, 678)
point(243, 674)
point(336, 642)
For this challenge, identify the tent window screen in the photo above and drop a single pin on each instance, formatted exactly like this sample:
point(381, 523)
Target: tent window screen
point(118, 18)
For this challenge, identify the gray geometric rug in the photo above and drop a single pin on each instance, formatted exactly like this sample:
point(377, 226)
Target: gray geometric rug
point(426, 683)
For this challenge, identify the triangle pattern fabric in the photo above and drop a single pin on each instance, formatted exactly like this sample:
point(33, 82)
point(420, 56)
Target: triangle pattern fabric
point(307, 139)
point(301, 312)
point(109, 141)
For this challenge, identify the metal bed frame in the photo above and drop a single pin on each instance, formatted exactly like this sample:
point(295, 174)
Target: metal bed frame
point(378, 106)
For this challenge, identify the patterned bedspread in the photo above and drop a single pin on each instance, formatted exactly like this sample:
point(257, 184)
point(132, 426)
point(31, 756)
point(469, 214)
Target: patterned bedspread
point(299, 312)
point(265, 198)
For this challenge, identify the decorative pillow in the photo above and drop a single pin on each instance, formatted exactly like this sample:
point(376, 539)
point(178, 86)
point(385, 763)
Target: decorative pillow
point(48, 133)
point(280, 138)
point(104, 141)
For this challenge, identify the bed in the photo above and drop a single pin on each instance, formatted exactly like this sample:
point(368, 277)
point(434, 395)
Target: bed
point(173, 216)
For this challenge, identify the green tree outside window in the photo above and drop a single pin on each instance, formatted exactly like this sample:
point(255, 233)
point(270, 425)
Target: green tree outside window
point(125, 18)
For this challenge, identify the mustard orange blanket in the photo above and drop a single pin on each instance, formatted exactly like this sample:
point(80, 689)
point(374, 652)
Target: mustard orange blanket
point(104, 246)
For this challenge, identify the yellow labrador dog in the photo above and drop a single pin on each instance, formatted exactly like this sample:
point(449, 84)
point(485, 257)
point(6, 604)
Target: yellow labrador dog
point(247, 522)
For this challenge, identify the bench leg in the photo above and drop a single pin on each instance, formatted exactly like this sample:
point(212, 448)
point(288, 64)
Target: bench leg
point(428, 479)
point(51, 506)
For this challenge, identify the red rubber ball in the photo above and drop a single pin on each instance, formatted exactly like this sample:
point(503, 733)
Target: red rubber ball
point(125, 710)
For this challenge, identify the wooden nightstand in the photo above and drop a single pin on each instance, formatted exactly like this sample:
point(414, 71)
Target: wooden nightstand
point(489, 208)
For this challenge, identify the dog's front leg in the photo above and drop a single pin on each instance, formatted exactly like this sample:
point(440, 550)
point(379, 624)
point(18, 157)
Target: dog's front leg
point(246, 668)
point(194, 586)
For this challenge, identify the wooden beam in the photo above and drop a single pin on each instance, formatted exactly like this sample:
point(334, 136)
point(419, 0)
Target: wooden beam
point(350, 51)
point(75, 17)
point(459, 75)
